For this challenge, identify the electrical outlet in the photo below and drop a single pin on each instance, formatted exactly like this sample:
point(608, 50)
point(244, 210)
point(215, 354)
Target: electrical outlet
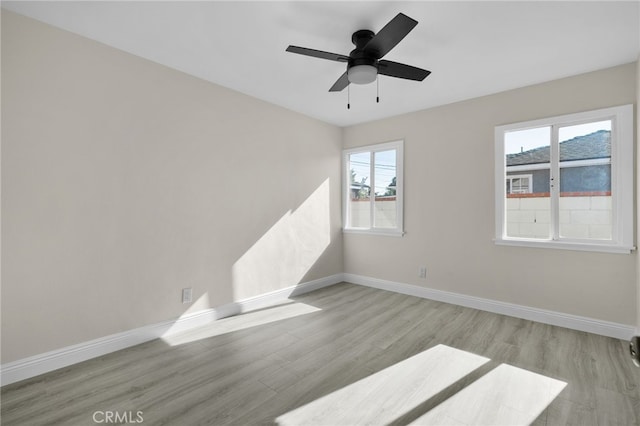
point(422, 272)
point(187, 295)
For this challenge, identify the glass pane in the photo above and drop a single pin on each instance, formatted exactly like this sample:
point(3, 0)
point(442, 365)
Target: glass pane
point(517, 185)
point(360, 200)
point(585, 181)
point(385, 211)
point(528, 202)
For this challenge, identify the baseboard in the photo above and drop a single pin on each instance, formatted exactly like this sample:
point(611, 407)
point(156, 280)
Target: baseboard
point(43, 363)
point(590, 325)
point(277, 296)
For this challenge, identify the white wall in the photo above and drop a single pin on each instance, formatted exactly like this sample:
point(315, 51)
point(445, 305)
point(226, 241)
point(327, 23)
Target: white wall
point(451, 147)
point(124, 181)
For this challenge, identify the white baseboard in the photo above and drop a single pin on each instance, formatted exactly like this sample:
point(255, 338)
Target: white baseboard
point(278, 296)
point(590, 325)
point(35, 365)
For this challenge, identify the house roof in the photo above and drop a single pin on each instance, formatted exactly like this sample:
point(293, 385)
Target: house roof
point(587, 147)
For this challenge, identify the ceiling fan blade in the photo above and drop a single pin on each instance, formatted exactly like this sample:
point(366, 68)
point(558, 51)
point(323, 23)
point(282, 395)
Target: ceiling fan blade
point(341, 83)
point(390, 35)
point(395, 69)
point(318, 53)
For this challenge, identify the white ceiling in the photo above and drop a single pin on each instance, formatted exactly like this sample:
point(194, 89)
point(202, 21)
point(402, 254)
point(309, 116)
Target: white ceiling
point(472, 48)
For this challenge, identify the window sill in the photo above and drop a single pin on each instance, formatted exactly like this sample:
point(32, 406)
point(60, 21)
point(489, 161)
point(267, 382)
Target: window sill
point(566, 245)
point(382, 232)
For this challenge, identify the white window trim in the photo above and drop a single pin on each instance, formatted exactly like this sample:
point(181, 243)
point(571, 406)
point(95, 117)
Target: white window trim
point(622, 183)
point(346, 186)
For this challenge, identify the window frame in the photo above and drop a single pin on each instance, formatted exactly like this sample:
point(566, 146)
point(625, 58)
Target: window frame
point(622, 182)
point(398, 146)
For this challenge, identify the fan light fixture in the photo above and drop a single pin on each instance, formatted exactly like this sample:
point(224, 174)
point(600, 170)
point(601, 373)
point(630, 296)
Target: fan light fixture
point(362, 74)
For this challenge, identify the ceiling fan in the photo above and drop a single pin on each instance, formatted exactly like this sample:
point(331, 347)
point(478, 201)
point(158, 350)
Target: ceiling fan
point(364, 63)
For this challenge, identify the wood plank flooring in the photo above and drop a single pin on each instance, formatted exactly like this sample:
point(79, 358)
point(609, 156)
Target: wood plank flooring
point(347, 354)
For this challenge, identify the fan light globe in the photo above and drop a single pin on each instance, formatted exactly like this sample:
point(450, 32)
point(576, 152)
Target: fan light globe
point(362, 74)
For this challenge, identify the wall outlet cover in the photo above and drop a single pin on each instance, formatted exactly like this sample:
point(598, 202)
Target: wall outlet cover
point(187, 295)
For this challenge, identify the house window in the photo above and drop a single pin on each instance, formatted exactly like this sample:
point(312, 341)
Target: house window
point(569, 181)
point(518, 184)
point(373, 189)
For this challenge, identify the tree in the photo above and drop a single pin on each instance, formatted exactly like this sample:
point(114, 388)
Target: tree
point(363, 192)
point(391, 189)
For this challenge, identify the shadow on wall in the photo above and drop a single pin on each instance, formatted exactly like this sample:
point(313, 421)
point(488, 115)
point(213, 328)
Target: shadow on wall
point(287, 251)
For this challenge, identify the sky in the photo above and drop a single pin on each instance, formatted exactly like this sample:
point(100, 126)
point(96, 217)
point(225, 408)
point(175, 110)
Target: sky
point(385, 168)
point(524, 140)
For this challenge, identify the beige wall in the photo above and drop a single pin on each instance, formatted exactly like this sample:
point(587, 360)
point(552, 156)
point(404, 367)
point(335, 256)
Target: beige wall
point(451, 147)
point(124, 181)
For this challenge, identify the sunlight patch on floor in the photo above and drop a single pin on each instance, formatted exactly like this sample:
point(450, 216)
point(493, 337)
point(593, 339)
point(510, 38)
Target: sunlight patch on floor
point(242, 322)
point(389, 393)
point(506, 395)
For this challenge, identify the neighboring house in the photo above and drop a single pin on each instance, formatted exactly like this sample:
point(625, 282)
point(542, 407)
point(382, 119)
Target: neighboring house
point(585, 163)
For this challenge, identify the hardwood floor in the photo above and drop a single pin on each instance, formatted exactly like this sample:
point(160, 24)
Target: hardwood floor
point(347, 354)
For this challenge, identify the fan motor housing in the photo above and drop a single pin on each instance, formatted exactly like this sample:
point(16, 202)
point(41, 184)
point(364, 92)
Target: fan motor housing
point(359, 56)
point(361, 37)
point(362, 61)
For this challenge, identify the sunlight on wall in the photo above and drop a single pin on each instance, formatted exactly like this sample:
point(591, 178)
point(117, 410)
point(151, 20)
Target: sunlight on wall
point(506, 395)
point(199, 305)
point(390, 393)
point(241, 322)
point(199, 312)
point(286, 252)
point(279, 259)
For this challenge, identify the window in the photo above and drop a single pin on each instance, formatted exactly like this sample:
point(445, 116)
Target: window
point(373, 189)
point(518, 184)
point(569, 181)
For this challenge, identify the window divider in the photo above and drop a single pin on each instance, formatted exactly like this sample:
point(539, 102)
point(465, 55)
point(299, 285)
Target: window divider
point(372, 190)
point(554, 185)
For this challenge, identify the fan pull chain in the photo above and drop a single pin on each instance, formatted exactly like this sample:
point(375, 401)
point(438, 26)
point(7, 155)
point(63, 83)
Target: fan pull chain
point(377, 90)
point(348, 97)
